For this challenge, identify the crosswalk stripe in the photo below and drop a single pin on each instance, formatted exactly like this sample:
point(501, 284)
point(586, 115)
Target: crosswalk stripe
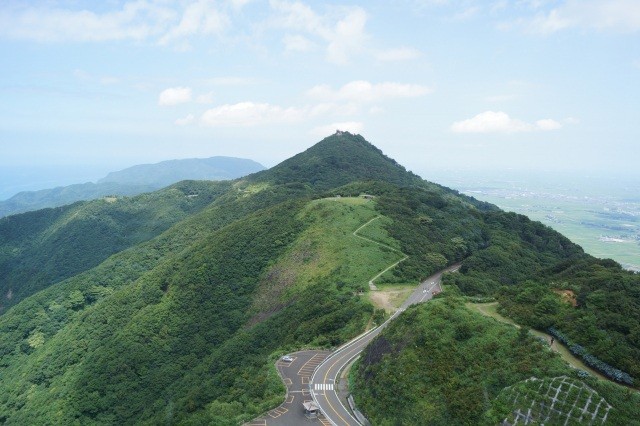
point(323, 386)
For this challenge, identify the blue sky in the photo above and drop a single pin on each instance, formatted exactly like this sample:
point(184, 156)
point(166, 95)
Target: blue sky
point(436, 84)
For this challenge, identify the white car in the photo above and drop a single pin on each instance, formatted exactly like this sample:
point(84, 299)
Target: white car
point(287, 358)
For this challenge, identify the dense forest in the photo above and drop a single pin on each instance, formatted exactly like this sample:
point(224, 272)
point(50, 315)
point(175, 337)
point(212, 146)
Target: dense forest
point(43, 247)
point(544, 281)
point(171, 307)
point(441, 364)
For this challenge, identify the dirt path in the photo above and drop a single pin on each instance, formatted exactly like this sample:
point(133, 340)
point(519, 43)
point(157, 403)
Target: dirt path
point(372, 285)
point(489, 309)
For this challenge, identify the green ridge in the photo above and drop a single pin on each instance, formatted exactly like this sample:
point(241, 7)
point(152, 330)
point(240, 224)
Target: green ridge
point(176, 306)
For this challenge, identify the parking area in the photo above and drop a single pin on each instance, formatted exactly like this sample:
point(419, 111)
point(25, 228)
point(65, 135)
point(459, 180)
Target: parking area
point(296, 374)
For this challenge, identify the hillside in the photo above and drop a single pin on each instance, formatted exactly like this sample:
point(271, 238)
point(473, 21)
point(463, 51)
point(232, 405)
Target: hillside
point(181, 323)
point(441, 364)
point(41, 248)
point(132, 181)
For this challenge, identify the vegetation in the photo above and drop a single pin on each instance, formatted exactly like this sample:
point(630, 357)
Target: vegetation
point(557, 400)
point(38, 249)
point(440, 363)
point(193, 327)
point(131, 181)
point(543, 280)
point(171, 307)
point(601, 318)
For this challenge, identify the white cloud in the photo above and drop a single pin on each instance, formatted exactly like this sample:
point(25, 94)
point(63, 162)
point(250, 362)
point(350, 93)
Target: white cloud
point(467, 14)
point(363, 91)
point(297, 43)
point(600, 15)
point(239, 4)
point(344, 36)
point(137, 20)
point(174, 96)
point(81, 74)
point(340, 30)
point(548, 124)
point(399, 54)
point(551, 23)
point(251, 114)
point(200, 17)
point(348, 126)
point(348, 37)
point(500, 122)
point(185, 121)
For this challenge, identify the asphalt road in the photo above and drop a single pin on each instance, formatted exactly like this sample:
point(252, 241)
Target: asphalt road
point(296, 376)
point(324, 384)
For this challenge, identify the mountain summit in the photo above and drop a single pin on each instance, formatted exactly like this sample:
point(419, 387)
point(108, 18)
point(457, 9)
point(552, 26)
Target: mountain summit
point(337, 160)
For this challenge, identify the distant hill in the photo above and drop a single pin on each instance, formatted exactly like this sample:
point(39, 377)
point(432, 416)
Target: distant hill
point(132, 181)
point(172, 307)
point(172, 171)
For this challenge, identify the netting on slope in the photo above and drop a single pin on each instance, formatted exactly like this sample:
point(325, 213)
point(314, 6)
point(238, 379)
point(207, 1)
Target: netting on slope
point(559, 400)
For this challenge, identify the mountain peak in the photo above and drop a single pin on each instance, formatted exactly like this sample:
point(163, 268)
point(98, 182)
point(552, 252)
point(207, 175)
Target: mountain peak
point(336, 160)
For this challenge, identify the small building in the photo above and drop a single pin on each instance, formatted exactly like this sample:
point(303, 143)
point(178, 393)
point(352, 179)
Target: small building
point(368, 196)
point(311, 410)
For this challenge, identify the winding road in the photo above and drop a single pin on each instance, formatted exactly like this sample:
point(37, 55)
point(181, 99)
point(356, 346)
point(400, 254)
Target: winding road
point(324, 381)
point(323, 384)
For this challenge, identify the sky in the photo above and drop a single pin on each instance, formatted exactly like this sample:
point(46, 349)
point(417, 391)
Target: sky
point(94, 86)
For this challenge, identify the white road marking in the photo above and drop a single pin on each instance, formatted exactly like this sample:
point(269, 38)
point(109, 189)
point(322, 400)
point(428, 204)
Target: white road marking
point(323, 386)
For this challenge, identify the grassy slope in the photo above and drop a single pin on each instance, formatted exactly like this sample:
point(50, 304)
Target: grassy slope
point(327, 251)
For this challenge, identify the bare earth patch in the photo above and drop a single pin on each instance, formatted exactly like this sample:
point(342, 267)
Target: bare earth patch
point(568, 296)
point(390, 298)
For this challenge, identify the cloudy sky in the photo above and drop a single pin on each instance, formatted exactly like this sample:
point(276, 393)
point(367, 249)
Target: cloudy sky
point(476, 84)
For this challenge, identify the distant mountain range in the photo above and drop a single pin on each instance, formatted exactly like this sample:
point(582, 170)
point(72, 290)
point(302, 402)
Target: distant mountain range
point(132, 181)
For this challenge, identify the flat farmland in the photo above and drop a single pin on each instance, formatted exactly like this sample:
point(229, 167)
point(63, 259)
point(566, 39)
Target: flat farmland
point(602, 216)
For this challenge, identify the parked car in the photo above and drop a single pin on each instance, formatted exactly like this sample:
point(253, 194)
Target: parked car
point(287, 358)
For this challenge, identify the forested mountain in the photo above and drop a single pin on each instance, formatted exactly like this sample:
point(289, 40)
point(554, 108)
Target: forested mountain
point(167, 172)
point(443, 364)
point(132, 181)
point(40, 248)
point(200, 286)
